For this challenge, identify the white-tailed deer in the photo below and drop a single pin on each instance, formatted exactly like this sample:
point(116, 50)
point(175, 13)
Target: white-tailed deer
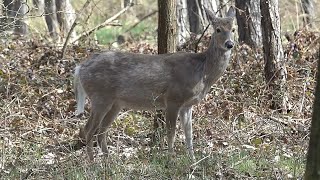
point(172, 82)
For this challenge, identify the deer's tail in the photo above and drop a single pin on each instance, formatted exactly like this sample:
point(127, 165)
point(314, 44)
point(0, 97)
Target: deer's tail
point(79, 92)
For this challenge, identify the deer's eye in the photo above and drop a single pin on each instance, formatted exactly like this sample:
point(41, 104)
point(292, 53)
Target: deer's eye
point(218, 30)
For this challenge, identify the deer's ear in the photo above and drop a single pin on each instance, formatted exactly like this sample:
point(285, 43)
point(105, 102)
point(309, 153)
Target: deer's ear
point(231, 12)
point(210, 15)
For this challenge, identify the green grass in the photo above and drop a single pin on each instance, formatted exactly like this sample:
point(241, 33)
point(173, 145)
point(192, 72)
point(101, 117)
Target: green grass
point(143, 31)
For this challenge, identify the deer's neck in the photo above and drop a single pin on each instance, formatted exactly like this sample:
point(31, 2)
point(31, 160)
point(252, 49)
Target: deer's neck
point(217, 60)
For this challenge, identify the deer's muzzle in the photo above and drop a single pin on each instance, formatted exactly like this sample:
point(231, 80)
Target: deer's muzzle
point(229, 44)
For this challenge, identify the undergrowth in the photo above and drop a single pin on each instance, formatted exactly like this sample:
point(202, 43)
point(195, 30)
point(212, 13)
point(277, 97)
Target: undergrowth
point(236, 134)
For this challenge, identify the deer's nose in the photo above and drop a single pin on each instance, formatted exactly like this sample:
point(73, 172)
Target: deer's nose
point(229, 44)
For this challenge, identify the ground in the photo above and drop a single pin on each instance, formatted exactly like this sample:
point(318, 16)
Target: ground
point(236, 134)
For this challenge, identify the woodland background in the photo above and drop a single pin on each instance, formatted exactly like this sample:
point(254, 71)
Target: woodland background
point(238, 134)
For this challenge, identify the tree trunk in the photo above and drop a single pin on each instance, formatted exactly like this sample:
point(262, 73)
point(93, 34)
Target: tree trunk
point(65, 16)
point(125, 3)
point(197, 15)
point(182, 22)
point(275, 71)
point(222, 7)
point(166, 40)
point(167, 26)
point(61, 14)
point(51, 18)
point(313, 157)
point(7, 11)
point(20, 10)
point(39, 5)
point(249, 22)
point(308, 10)
point(193, 14)
point(8, 8)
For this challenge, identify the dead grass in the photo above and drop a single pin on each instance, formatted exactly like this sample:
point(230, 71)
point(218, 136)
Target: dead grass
point(236, 135)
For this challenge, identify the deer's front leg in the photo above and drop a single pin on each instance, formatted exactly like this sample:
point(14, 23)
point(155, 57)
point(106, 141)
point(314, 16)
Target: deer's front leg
point(186, 122)
point(171, 121)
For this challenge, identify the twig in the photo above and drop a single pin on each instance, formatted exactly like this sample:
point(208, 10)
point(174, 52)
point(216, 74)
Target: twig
point(105, 23)
point(196, 163)
point(197, 43)
point(26, 176)
point(278, 120)
point(72, 27)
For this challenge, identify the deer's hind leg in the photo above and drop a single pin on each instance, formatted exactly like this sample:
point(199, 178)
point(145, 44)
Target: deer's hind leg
point(105, 123)
point(99, 109)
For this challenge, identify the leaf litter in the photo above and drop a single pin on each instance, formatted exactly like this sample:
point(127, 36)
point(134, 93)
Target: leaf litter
point(38, 105)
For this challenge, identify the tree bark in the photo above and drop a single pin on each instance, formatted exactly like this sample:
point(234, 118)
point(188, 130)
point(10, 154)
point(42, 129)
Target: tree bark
point(65, 17)
point(249, 22)
point(182, 22)
point(7, 11)
point(8, 8)
point(275, 71)
point(222, 7)
point(313, 157)
point(194, 18)
point(308, 9)
point(167, 26)
point(197, 15)
point(166, 39)
point(39, 5)
point(20, 10)
point(51, 18)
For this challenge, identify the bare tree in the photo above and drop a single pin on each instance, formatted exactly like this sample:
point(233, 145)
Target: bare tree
point(39, 5)
point(194, 16)
point(313, 157)
point(51, 18)
point(182, 22)
point(275, 71)
point(167, 26)
point(197, 15)
point(308, 9)
point(65, 16)
point(20, 10)
point(7, 18)
point(125, 3)
point(166, 38)
point(249, 22)
point(13, 16)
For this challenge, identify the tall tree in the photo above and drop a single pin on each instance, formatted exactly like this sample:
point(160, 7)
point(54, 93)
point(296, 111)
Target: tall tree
point(308, 9)
point(275, 71)
point(65, 16)
point(7, 10)
point(13, 14)
point(166, 37)
point(313, 157)
point(167, 26)
point(38, 4)
point(51, 18)
point(249, 22)
point(182, 22)
point(20, 10)
point(194, 12)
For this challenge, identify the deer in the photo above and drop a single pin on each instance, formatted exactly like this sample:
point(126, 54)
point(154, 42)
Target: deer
point(173, 82)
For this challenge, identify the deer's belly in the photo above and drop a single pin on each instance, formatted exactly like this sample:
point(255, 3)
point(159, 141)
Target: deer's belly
point(142, 102)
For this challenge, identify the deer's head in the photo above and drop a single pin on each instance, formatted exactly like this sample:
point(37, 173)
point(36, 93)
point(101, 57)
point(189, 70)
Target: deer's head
point(223, 29)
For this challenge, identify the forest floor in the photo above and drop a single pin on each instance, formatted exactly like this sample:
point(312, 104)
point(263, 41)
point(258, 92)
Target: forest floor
point(236, 134)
